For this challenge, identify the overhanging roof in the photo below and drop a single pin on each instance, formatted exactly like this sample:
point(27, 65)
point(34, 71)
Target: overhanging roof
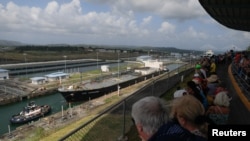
point(56, 74)
point(234, 14)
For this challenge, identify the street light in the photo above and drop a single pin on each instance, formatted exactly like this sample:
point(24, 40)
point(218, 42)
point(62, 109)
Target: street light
point(65, 67)
point(190, 55)
point(97, 60)
point(118, 61)
point(25, 63)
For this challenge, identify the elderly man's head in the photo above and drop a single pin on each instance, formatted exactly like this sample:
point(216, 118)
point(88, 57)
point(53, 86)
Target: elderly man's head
point(149, 114)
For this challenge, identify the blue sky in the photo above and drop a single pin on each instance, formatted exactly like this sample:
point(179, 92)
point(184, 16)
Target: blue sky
point(182, 24)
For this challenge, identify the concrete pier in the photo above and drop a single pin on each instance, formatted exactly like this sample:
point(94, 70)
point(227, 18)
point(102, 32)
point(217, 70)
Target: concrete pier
point(13, 91)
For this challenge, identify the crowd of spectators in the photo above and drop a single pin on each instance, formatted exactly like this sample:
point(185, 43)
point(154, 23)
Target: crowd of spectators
point(203, 101)
point(208, 82)
point(242, 63)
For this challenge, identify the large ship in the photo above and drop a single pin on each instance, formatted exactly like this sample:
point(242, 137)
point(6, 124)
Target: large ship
point(30, 112)
point(106, 84)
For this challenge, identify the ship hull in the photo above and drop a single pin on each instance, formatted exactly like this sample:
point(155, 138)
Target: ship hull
point(85, 95)
point(19, 119)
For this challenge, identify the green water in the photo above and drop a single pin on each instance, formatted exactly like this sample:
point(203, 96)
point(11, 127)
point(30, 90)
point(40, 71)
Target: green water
point(55, 101)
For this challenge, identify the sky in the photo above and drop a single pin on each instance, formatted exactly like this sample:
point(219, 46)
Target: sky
point(183, 24)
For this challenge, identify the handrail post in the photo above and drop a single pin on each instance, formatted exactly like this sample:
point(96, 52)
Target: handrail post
point(123, 137)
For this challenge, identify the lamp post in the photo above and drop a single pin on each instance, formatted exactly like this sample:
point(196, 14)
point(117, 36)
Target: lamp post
point(118, 62)
point(190, 55)
point(25, 63)
point(118, 89)
point(97, 60)
point(65, 67)
point(153, 86)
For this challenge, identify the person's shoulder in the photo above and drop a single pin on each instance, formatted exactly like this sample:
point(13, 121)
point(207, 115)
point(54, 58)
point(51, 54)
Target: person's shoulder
point(174, 132)
point(181, 137)
point(199, 138)
point(168, 131)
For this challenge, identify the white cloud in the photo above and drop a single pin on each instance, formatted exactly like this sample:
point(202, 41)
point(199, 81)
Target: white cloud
point(166, 28)
point(246, 35)
point(67, 18)
point(180, 23)
point(52, 8)
point(193, 34)
point(176, 9)
point(147, 20)
point(71, 9)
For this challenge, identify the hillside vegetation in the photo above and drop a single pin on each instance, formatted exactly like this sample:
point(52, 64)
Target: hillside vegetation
point(16, 52)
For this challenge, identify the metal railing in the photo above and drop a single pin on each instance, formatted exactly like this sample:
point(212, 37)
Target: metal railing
point(242, 78)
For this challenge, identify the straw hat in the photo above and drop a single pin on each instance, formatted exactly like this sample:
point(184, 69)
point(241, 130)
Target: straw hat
point(212, 78)
point(222, 99)
point(196, 75)
point(179, 93)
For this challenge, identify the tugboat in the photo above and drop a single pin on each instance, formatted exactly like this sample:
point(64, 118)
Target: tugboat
point(30, 112)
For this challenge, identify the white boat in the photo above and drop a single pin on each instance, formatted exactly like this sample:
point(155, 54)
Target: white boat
point(208, 53)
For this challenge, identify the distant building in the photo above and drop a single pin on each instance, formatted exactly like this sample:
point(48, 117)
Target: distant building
point(176, 55)
point(208, 53)
point(38, 80)
point(4, 74)
point(145, 70)
point(185, 54)
point(154, 64)
point(105, 68)
point(56, 76)
point(143, 58)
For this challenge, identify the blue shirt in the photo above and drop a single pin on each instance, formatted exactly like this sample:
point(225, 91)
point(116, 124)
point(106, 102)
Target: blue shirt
point(174, 132)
